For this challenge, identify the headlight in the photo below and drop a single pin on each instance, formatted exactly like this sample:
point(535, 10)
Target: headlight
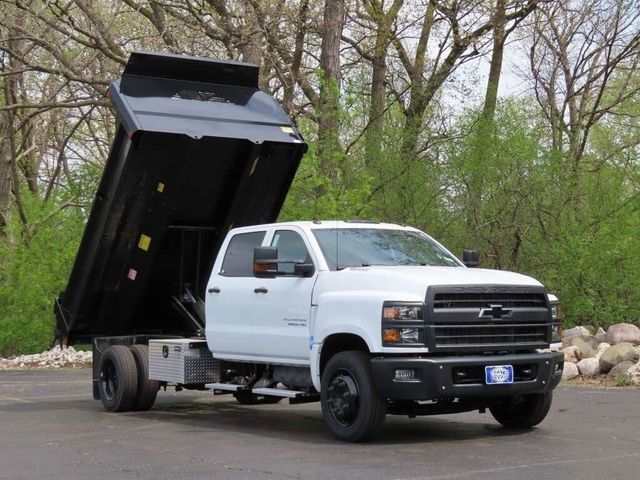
point(556, 318)
point(402, 324)
point(556, 311)
point(402, 312)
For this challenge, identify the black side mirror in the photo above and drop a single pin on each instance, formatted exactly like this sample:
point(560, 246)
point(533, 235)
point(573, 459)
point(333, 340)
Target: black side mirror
point(264, 262)
point(304, 269)
point(471, 258)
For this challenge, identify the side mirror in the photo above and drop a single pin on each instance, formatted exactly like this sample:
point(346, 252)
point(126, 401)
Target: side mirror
point(264, 262)
point(471, 258)
point(304, 269)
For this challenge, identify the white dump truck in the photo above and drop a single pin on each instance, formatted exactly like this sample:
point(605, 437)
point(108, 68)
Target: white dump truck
point(183, 280)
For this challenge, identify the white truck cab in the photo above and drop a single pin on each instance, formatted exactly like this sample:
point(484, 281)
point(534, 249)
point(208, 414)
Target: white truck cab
point(389, 291)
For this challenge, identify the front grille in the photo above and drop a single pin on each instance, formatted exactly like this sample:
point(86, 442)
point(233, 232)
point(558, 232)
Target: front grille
point(487, 318)
point(489, 335)
point(482, 300)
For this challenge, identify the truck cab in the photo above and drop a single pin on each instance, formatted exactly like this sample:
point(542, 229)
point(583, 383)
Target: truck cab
point(294, 295)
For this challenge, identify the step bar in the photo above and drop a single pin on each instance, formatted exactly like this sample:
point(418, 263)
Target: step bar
point(294, 396)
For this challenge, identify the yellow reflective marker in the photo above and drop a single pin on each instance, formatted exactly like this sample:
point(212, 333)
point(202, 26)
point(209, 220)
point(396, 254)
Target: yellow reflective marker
point(144, 242)
point(287, 129)
point(160, 187)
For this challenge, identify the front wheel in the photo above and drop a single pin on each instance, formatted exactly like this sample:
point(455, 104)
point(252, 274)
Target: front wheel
point(522, 411)
point(352, 408)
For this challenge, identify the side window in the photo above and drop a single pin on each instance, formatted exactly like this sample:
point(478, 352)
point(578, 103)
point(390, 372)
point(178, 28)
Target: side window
point(238, 259)
point(290, 247)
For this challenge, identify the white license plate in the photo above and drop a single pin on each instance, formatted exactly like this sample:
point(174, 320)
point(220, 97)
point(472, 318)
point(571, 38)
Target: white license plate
point(498, 374)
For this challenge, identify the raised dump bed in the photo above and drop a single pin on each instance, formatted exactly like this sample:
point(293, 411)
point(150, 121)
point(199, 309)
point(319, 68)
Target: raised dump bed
point(199, 149)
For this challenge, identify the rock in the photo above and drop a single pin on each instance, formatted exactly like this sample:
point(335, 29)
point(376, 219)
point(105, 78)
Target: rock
point(623, 332)
point(571, 354)
point(576, 331)
point(616, 354)
point(589, 367)
point(570, 371)
point(634, 374)
point(55, 358)
point(601, 348)
point(600, 335)
point(585, 343)
point(620, 369)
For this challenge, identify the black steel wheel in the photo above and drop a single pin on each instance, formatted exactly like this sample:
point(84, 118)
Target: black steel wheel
point(118, 380)
point(352, 408)
point(147, 390)
point(522, 411)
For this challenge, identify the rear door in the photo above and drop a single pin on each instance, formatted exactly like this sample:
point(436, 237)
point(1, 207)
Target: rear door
point(230, 304)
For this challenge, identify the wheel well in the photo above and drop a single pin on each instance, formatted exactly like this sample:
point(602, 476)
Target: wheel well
point(340, 342)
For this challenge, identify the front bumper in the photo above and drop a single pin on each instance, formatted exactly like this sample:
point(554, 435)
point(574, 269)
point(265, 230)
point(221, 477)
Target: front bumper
point(441, 376)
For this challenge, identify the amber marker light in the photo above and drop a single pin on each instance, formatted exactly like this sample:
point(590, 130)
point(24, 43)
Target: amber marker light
point(391, 335)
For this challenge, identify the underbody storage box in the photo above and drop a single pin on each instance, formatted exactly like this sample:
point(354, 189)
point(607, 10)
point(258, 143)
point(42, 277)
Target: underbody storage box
point(198, 150)
point(182, 360)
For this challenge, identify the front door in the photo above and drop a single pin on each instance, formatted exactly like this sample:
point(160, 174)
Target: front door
point(281, 329)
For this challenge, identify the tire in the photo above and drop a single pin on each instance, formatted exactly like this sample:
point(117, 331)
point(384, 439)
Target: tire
point(147, 390)
point(522, 411)
point(353, 410)
point(118, 379)
point(248, 398)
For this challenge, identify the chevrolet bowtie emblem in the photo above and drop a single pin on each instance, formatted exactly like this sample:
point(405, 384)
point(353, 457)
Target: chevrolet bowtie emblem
point(495, 311)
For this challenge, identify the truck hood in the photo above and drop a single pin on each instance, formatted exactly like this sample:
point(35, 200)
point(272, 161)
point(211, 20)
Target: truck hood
point(411, 282)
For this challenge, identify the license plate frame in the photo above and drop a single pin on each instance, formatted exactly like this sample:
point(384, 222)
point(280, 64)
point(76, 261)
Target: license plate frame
point(498, 374)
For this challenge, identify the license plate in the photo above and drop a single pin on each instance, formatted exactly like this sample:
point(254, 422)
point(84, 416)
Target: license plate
point(498, 374)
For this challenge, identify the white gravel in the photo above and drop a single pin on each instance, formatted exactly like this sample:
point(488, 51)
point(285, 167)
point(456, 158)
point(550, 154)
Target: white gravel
point(66, 357)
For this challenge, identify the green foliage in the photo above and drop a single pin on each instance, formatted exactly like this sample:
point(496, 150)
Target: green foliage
point(622, 381)
point(35, 261)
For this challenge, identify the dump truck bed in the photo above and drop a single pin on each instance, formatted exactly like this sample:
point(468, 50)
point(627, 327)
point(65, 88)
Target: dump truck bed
point(199, 149)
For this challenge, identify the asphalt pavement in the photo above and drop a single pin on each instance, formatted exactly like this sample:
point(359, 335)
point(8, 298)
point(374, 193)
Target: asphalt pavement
point(50, 427)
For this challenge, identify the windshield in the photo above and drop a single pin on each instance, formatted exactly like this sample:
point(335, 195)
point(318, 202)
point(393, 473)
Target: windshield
point(356, 247)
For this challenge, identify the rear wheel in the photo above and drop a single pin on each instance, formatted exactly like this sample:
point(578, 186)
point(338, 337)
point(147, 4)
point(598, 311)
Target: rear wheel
point(118, 379)
point(522, 411)
point(352, 408)
point(147, 390)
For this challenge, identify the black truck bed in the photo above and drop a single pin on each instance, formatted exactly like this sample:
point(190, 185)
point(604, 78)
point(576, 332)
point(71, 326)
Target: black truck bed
point(199, 149)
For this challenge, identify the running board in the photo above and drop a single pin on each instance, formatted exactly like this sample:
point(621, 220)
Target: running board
point(294, 396)
point(227, 387)
point(277, 392)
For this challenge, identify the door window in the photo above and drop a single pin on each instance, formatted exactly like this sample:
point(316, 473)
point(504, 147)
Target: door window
point(238, 260)
point(290, 247)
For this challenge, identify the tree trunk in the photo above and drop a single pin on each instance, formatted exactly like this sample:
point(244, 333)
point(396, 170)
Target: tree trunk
point(486, 126)
point(6, 164)
point(491, 95)
point(328, 121)
point(379, 72)
point(420, 98)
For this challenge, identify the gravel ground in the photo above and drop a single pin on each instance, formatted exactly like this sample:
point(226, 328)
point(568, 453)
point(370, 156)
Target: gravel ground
point(66, 357)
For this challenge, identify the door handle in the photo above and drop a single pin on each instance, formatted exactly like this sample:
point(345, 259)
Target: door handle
point(260, 290)
point(214, 290)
